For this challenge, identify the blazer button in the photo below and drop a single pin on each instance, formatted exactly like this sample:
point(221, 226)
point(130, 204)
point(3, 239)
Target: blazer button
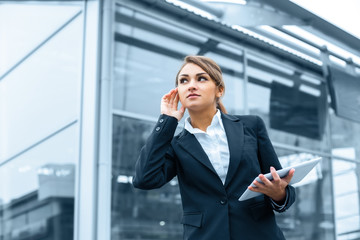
point(157, 129)
point(223, 202)
point(161, 120)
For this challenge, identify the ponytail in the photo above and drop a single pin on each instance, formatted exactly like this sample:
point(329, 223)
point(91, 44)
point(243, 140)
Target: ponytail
point(220, 106)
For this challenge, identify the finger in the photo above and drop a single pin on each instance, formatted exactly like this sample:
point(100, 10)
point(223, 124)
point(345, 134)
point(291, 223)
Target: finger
point(265, 180)
point(165, 99)
point(275, 175)
point(166, 96)
point(176, 101)
point(254, 189)
point(170, 92)
point(290, 175)
point(171, 97)
point(258, 185)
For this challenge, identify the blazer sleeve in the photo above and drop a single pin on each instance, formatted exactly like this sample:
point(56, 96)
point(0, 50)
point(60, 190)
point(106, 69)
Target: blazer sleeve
point(156, 164)
point(267, 158)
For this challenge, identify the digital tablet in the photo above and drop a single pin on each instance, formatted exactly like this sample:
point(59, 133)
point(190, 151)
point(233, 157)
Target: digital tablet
point(301, 170)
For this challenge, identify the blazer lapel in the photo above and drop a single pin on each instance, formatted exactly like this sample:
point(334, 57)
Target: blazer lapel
point(235, 136)
point(191, 145)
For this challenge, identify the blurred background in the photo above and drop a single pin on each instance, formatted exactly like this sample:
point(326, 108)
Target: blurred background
point(80, 90)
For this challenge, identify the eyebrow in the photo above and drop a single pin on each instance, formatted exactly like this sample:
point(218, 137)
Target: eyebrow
point(198, 74)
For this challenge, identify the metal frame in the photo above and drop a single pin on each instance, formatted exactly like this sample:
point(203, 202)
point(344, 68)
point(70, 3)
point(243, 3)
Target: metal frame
point(86, 175)
point(103, 222)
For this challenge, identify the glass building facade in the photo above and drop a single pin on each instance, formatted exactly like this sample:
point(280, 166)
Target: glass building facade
point(80, 90)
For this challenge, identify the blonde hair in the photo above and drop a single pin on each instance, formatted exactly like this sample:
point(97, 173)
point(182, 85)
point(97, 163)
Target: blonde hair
point(211, 68)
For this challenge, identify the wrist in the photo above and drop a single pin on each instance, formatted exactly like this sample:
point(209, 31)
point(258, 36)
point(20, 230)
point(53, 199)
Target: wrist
point(172, 115)
point(169, 116)
point(279, 198)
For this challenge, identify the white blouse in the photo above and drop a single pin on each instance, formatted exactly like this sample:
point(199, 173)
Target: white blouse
point(214, 143)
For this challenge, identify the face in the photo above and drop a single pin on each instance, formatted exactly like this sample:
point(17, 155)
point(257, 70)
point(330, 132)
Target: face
point(197, 91)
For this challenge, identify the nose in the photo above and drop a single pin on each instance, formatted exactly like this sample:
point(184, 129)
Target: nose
point(192, 85)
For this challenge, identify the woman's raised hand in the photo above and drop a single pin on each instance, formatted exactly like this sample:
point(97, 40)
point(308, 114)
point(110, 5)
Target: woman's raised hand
point(169, 105)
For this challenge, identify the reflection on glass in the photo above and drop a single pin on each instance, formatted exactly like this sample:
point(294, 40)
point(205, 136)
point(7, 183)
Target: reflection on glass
point(138, 214)
point(346, 145)
point(233, 99)
point(142, 77)
point(311, 216)
point(26, 21)
point(40, 72)
point(345, 137)
point(346, 193)
point(297, 112)
point(37, 190)
point(294, 109)
point(41, 94)
point(148, 54)
point(259, 104)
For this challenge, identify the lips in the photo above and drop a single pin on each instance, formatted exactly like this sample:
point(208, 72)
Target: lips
point(193, 95)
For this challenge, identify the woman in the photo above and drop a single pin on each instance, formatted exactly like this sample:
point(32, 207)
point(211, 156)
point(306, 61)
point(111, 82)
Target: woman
point(215, 158)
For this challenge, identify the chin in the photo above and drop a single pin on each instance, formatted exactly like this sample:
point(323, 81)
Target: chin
point(192, 108)
point(195, 107)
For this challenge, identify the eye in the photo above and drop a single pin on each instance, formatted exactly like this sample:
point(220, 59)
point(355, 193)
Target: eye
point(201, 79)
point(183, 80)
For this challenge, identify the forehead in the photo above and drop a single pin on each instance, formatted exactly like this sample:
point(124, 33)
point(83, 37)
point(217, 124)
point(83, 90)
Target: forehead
point(191, 68)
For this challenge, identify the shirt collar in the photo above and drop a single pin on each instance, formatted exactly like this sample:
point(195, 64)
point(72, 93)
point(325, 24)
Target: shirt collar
point(215, 122)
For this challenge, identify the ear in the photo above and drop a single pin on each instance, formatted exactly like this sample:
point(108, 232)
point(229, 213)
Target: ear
point(220, 91)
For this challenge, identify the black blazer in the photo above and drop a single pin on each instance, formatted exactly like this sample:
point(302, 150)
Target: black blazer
point(211, 210)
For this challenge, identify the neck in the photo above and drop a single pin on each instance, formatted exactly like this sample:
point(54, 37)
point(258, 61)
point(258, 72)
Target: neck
point(202, 119)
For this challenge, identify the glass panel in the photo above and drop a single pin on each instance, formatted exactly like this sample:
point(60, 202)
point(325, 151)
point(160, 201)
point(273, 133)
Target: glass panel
point(345, 137)
point(350, 236)
point(42, 94)
point(311, 216)
point(142, 77)
point(233, 99)
point(26, 21)
point(289, 123)
point(347, 226)
point(138, 214)
point(147, 60)
point(346, 191)
point(342, 204)
point(345, 183)
point(37, 190)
